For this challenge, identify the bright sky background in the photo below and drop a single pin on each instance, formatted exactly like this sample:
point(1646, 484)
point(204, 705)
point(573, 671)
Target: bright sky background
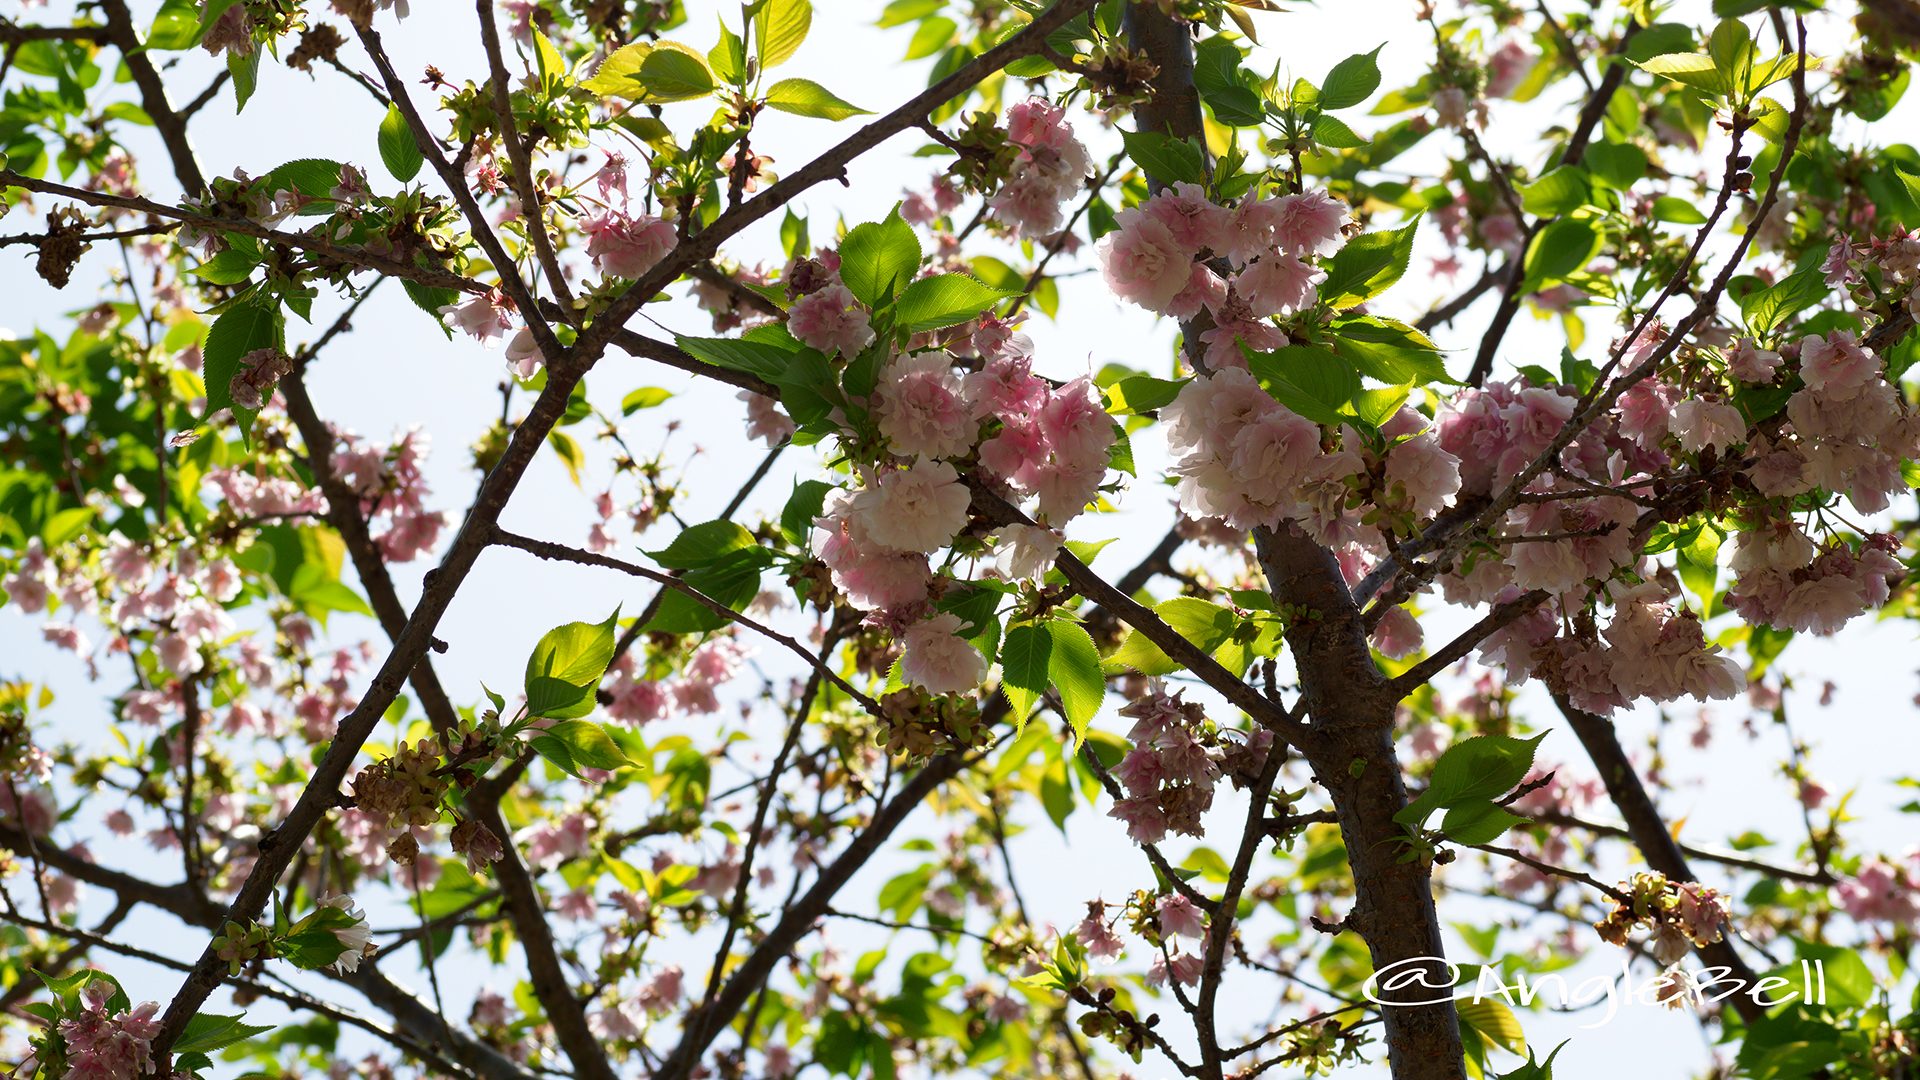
point(397, 370)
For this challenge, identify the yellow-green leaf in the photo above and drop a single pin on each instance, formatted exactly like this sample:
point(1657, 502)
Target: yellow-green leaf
point(779, 28)
point(804, 97)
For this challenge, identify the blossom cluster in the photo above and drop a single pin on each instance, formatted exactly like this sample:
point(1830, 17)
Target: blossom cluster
point(104, 1046)
point(1678, 916)
point(1050, 167)
point(636, 699)
point(392, 490)
point(1031, 438)
point(1170, 773)
point(1169, 255)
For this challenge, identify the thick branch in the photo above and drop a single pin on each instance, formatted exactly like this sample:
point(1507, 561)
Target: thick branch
point(153, 95)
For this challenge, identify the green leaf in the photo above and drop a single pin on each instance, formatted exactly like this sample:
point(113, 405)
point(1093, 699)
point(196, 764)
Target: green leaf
point(1560, 191)
point(1494, 1022)
point(566, 667)
point(251, 324)
point(1388, 351)
point(579, 744)
point(208, 1032)
point(731, 581)
point(1472, 771)
point(1731, 48)
point(1376, 407)
point(803, 507)
point(804, 97)
point(66, 524)
point(728, 57)
point(943, 300)
point(1137, 394)
point(778, 29)
point(1351, 81)
point(175, 26)
point(703, 545)
point(1207, 625)
point(760, 358)
point(1677, 210)
point(398, 151)
point(245, 70)
point(1332, 132)
point(1562, 248)
point(619, 74)
point(1695, 70)
point(567, 448)
point(1765, 309)
point(933, 35)
point(548, 63)
point(672, 72)
point(230, 267)
point(879, 259)
point(1025, 657)
point(1074, 666)
point(646, 397)
point(1477, 823)
point(900, 12)
point(1166, 159)
point(1533, 1070)
point(1307, 379)
point(431, 300)
point(1620, 165)
point(1368, 265)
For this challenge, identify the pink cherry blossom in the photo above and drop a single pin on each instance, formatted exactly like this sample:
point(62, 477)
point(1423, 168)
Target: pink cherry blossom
point(937, 660)
point(921, 408)
point(1143, 263)
point(628, 247)
point(830, 320)
point(918, 509)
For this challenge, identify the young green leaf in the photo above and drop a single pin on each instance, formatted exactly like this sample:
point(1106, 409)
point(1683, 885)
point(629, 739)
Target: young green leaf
point(252, 324)
point(1368, 265)
point(804, 97)
point(879, 259)
point(703, 545)
point(1352, 80)
point(566, 667)
point(619, 74)
point(673, 72)
point(579, 744)
point(778, 29)
point(398, 152)
point(208, 1032)
point(943, 300)
point(1073, 665)
point(1166, 159)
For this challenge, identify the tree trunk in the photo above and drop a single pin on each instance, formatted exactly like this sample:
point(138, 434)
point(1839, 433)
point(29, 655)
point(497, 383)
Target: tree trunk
point(1352, 712)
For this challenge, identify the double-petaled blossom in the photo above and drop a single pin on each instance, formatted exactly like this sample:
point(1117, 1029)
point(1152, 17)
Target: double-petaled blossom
point(1143, 263)
point(1049, 168)
point(922, 409)
point(916, 509)
point(1882, 890)
point(629, 246)
point(831, 320)
point(935, 658)
point(103, 1046)
point(1168, 775)
point(258, 373)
